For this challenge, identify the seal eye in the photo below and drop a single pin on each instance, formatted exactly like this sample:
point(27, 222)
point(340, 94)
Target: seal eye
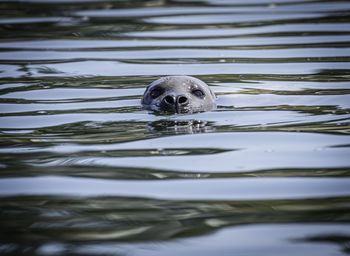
point(198, 93)
point(156, 92)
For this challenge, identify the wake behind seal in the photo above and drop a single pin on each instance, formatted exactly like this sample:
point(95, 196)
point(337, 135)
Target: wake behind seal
point(178, 94)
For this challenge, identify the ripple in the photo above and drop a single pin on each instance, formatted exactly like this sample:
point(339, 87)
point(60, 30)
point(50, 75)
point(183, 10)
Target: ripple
point(223, 189)
point(292, 238)
point(109, 68)
point(247, 10)
point(35, 20)
point(177, 54)
point(69, 93)
point(270, 150)
point(230, 19)
point(91, 44)
point(252, 30)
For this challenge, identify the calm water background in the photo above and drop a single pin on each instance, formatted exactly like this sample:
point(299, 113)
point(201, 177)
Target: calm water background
point(86, 171)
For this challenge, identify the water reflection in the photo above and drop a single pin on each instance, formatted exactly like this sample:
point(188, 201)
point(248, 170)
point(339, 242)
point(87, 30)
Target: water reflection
point(174, 127)
point(66, 221)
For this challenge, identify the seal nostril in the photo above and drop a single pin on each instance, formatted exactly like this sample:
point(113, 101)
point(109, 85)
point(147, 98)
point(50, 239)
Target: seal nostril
point(169, 100)
point(182, 100)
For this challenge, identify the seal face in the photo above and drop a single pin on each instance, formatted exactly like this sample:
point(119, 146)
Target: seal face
point(178, 94)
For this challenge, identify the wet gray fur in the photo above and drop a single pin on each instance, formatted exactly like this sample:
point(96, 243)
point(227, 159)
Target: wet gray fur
point(178, 94)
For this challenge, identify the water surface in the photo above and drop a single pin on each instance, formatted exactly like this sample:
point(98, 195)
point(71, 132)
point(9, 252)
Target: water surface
point(86, 171)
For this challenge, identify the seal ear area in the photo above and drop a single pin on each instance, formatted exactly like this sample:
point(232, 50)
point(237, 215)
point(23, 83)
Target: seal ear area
point(199, 84)
point(212, 93)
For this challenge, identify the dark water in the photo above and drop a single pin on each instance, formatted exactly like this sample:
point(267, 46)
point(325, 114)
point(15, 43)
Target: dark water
point(85, 171)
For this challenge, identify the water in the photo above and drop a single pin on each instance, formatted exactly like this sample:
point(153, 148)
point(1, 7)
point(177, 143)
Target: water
point(86, 171)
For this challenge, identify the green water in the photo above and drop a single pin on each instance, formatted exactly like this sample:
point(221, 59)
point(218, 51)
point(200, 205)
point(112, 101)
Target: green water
point(85, 171)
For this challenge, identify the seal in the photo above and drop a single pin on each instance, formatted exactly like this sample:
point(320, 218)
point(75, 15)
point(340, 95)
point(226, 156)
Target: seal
point(178, 94)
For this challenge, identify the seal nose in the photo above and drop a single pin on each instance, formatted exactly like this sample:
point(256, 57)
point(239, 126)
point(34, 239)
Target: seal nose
point(170, 100)
point(175, 103)
point(182, 100)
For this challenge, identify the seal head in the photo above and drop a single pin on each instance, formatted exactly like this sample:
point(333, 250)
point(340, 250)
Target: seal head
point(178, 94)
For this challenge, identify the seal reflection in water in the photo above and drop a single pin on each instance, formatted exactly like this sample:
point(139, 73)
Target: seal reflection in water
point(178, 94)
